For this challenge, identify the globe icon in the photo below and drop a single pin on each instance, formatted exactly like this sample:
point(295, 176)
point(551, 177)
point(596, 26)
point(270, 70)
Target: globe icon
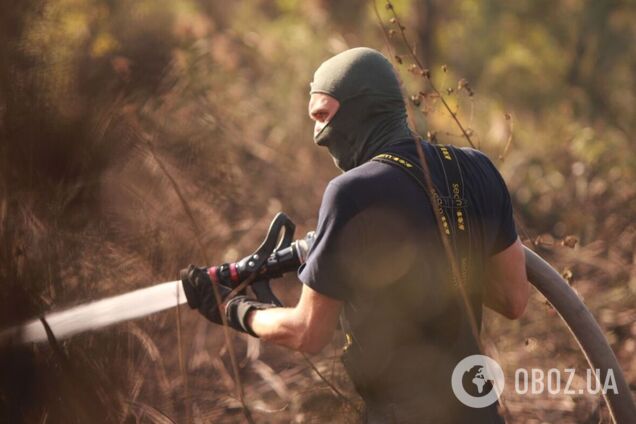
point(476, 381)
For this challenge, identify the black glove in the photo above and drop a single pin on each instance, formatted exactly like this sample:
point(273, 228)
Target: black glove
point(199, 292)
point(237, 310)
point(239, 307)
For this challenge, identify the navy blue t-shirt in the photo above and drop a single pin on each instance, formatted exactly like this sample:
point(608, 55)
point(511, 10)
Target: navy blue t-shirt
point(378, 249)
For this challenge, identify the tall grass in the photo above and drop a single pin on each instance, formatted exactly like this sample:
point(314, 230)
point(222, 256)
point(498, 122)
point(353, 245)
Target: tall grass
point(105, 107)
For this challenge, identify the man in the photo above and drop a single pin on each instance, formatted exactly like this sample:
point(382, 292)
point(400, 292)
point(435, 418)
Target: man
point(378, 256)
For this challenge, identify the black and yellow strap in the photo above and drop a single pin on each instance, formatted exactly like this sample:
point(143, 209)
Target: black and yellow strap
point(452, 203)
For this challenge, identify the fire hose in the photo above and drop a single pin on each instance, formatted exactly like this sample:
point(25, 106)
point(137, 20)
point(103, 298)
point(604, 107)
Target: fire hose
point(279, 254)
point(586, 331)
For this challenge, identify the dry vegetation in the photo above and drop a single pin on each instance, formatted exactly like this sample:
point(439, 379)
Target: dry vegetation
point(139, 136)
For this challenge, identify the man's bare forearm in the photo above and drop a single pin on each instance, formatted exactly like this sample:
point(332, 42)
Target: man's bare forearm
point(282, 326)
point(308, 327)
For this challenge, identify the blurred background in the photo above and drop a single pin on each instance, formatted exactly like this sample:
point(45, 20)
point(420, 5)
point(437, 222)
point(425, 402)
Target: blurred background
point(139, 136)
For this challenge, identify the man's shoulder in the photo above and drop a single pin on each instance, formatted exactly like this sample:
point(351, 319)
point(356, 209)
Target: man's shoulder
point(358, 176)
point(476, 161)
point(474, 154)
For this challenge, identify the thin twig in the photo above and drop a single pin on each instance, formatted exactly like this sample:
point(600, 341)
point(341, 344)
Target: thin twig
point(511, 127)
point(429, 183)
point(182, 366)
point(217, 294)
point(423, 71)
point(456, 273)
point(333, 388)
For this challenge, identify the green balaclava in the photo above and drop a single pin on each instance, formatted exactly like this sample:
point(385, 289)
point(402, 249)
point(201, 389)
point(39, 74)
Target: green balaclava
point(372, 113)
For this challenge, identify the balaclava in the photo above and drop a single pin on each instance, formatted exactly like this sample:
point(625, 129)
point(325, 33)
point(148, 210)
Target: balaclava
point(372, 113)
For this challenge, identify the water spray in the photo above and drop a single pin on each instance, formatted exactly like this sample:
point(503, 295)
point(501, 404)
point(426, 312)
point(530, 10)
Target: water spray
point(277, 255)
point(100, 314)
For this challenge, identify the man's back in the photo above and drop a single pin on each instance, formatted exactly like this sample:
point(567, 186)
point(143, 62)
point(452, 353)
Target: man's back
point(379, 249)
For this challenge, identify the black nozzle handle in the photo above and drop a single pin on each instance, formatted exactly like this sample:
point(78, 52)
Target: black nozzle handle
point(264, 293)
point(273, 242)
point(280, 223)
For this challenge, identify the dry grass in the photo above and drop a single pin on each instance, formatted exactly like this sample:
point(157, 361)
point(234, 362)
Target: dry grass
point(97, 157)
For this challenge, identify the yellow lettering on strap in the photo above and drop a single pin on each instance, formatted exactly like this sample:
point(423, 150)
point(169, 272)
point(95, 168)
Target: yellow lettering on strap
point(395, 159)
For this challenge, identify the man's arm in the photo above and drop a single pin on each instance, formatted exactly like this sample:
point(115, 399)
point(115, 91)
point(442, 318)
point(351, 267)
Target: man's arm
point(308, 327)
point(506, 288)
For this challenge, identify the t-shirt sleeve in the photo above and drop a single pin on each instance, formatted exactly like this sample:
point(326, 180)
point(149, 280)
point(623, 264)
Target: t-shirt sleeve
point(324, 270)
point(506, 233)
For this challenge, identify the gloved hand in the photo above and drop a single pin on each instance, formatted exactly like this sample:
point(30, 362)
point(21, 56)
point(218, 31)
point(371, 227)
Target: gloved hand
point(199, 292)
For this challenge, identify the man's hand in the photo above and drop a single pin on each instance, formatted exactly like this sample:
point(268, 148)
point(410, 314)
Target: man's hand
point(199, 292)
point(200, 295)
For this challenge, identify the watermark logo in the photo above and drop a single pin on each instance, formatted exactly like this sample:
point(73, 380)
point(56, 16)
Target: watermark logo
point(477, 381)
point(537, 381)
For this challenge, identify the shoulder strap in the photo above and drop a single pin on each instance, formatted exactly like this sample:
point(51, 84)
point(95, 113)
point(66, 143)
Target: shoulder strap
point(452, 203)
